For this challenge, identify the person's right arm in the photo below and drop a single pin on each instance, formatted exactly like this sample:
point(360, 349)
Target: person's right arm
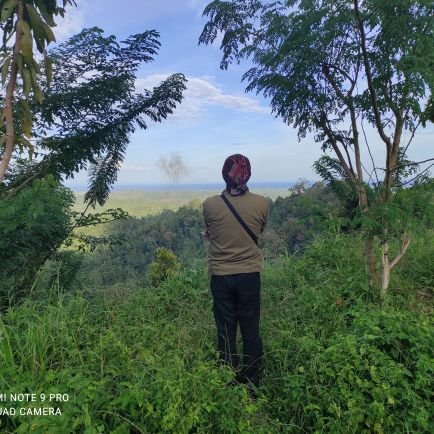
point(205, 218)
point(265, 215)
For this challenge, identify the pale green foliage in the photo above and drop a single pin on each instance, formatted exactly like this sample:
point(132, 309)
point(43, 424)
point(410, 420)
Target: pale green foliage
point(164, 266)
point(30, 23)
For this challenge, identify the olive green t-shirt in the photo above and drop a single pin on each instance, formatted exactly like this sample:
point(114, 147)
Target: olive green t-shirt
point(231, 250)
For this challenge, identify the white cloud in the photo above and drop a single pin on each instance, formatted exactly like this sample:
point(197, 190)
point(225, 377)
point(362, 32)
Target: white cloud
point(198, 6)
point(200, 93)
point(72, 23)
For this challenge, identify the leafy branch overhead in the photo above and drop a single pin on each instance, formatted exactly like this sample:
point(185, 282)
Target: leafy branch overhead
point(91, 107)
point(23, 23)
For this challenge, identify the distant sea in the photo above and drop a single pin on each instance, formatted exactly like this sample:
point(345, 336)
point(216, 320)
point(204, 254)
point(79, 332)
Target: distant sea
point(189, 186)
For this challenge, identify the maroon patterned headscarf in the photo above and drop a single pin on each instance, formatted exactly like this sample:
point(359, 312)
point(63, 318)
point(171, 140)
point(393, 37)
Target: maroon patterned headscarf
point(236, 172)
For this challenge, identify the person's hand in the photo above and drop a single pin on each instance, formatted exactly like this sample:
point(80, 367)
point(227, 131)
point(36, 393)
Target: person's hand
point(205, 234)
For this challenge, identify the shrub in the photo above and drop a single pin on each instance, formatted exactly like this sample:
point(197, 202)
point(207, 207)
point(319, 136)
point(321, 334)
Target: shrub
point(164, 266)
point(142, 364)
point(375, 377)
point(146, 361)
point(32, 225)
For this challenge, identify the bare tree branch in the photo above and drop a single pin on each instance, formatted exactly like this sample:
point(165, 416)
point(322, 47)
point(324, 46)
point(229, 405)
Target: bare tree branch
point(411, 138)
point(374, 169)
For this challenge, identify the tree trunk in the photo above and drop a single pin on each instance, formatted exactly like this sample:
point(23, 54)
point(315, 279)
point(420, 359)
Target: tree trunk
point(385, 269)
point(371, 262)
point(369, 250)
point(386, 265)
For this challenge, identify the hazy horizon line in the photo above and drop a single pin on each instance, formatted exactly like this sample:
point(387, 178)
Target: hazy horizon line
point(195, 185)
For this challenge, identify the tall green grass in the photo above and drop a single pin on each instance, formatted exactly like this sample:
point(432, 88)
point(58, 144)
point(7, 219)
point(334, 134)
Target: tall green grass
point(143, 360)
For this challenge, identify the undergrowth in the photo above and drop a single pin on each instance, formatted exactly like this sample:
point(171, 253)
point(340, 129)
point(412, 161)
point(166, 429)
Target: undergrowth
point(143, 360)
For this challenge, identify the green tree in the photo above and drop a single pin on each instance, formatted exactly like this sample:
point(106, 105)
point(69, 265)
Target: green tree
point(299, 217)
point(91, 107)
point(335, 68)
point(128, 263)
point(34, 224)
point(26, 22)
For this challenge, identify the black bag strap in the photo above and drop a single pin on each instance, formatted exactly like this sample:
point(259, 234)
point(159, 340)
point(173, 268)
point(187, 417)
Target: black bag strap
point(238, 217)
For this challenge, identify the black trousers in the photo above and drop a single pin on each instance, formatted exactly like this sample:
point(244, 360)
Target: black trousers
point(237, 301)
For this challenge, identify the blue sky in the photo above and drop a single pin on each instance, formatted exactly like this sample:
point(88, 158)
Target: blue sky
point(217, 118)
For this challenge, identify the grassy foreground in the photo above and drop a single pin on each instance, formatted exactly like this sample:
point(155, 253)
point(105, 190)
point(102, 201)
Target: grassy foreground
point(143, 360)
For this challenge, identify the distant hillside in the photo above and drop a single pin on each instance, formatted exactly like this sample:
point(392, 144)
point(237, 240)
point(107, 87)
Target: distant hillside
point(140, 203)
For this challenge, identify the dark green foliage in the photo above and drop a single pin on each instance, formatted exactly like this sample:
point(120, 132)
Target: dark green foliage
point(35, 221)
point(32, 224)
point(417, 270)
point(338, 363)
point(129, 262)
point(333, 175)
point(143, 363)
point(294, 45)
point(59, 273)
point(367, 378)
point(410, 210)
point(296, 219)
point(429, 112)
point(294, 222)
point(89, 110)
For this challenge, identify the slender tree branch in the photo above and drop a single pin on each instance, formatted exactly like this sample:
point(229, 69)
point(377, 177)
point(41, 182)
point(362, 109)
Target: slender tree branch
point(345, 74)
point(389, 100)
point(93, 224)
point(348, 156)
point(369, 78)
point(374, 169)
point(365, 170)
point(402, 250)
point(424, 161)
point(417, 176)
point(27, 177)
point(394, 155)
point(349, 103)
point(12, 192)
point(350, 174)
point(411, 138)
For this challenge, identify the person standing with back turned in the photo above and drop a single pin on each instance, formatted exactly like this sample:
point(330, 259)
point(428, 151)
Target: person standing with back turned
point(235, 263)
